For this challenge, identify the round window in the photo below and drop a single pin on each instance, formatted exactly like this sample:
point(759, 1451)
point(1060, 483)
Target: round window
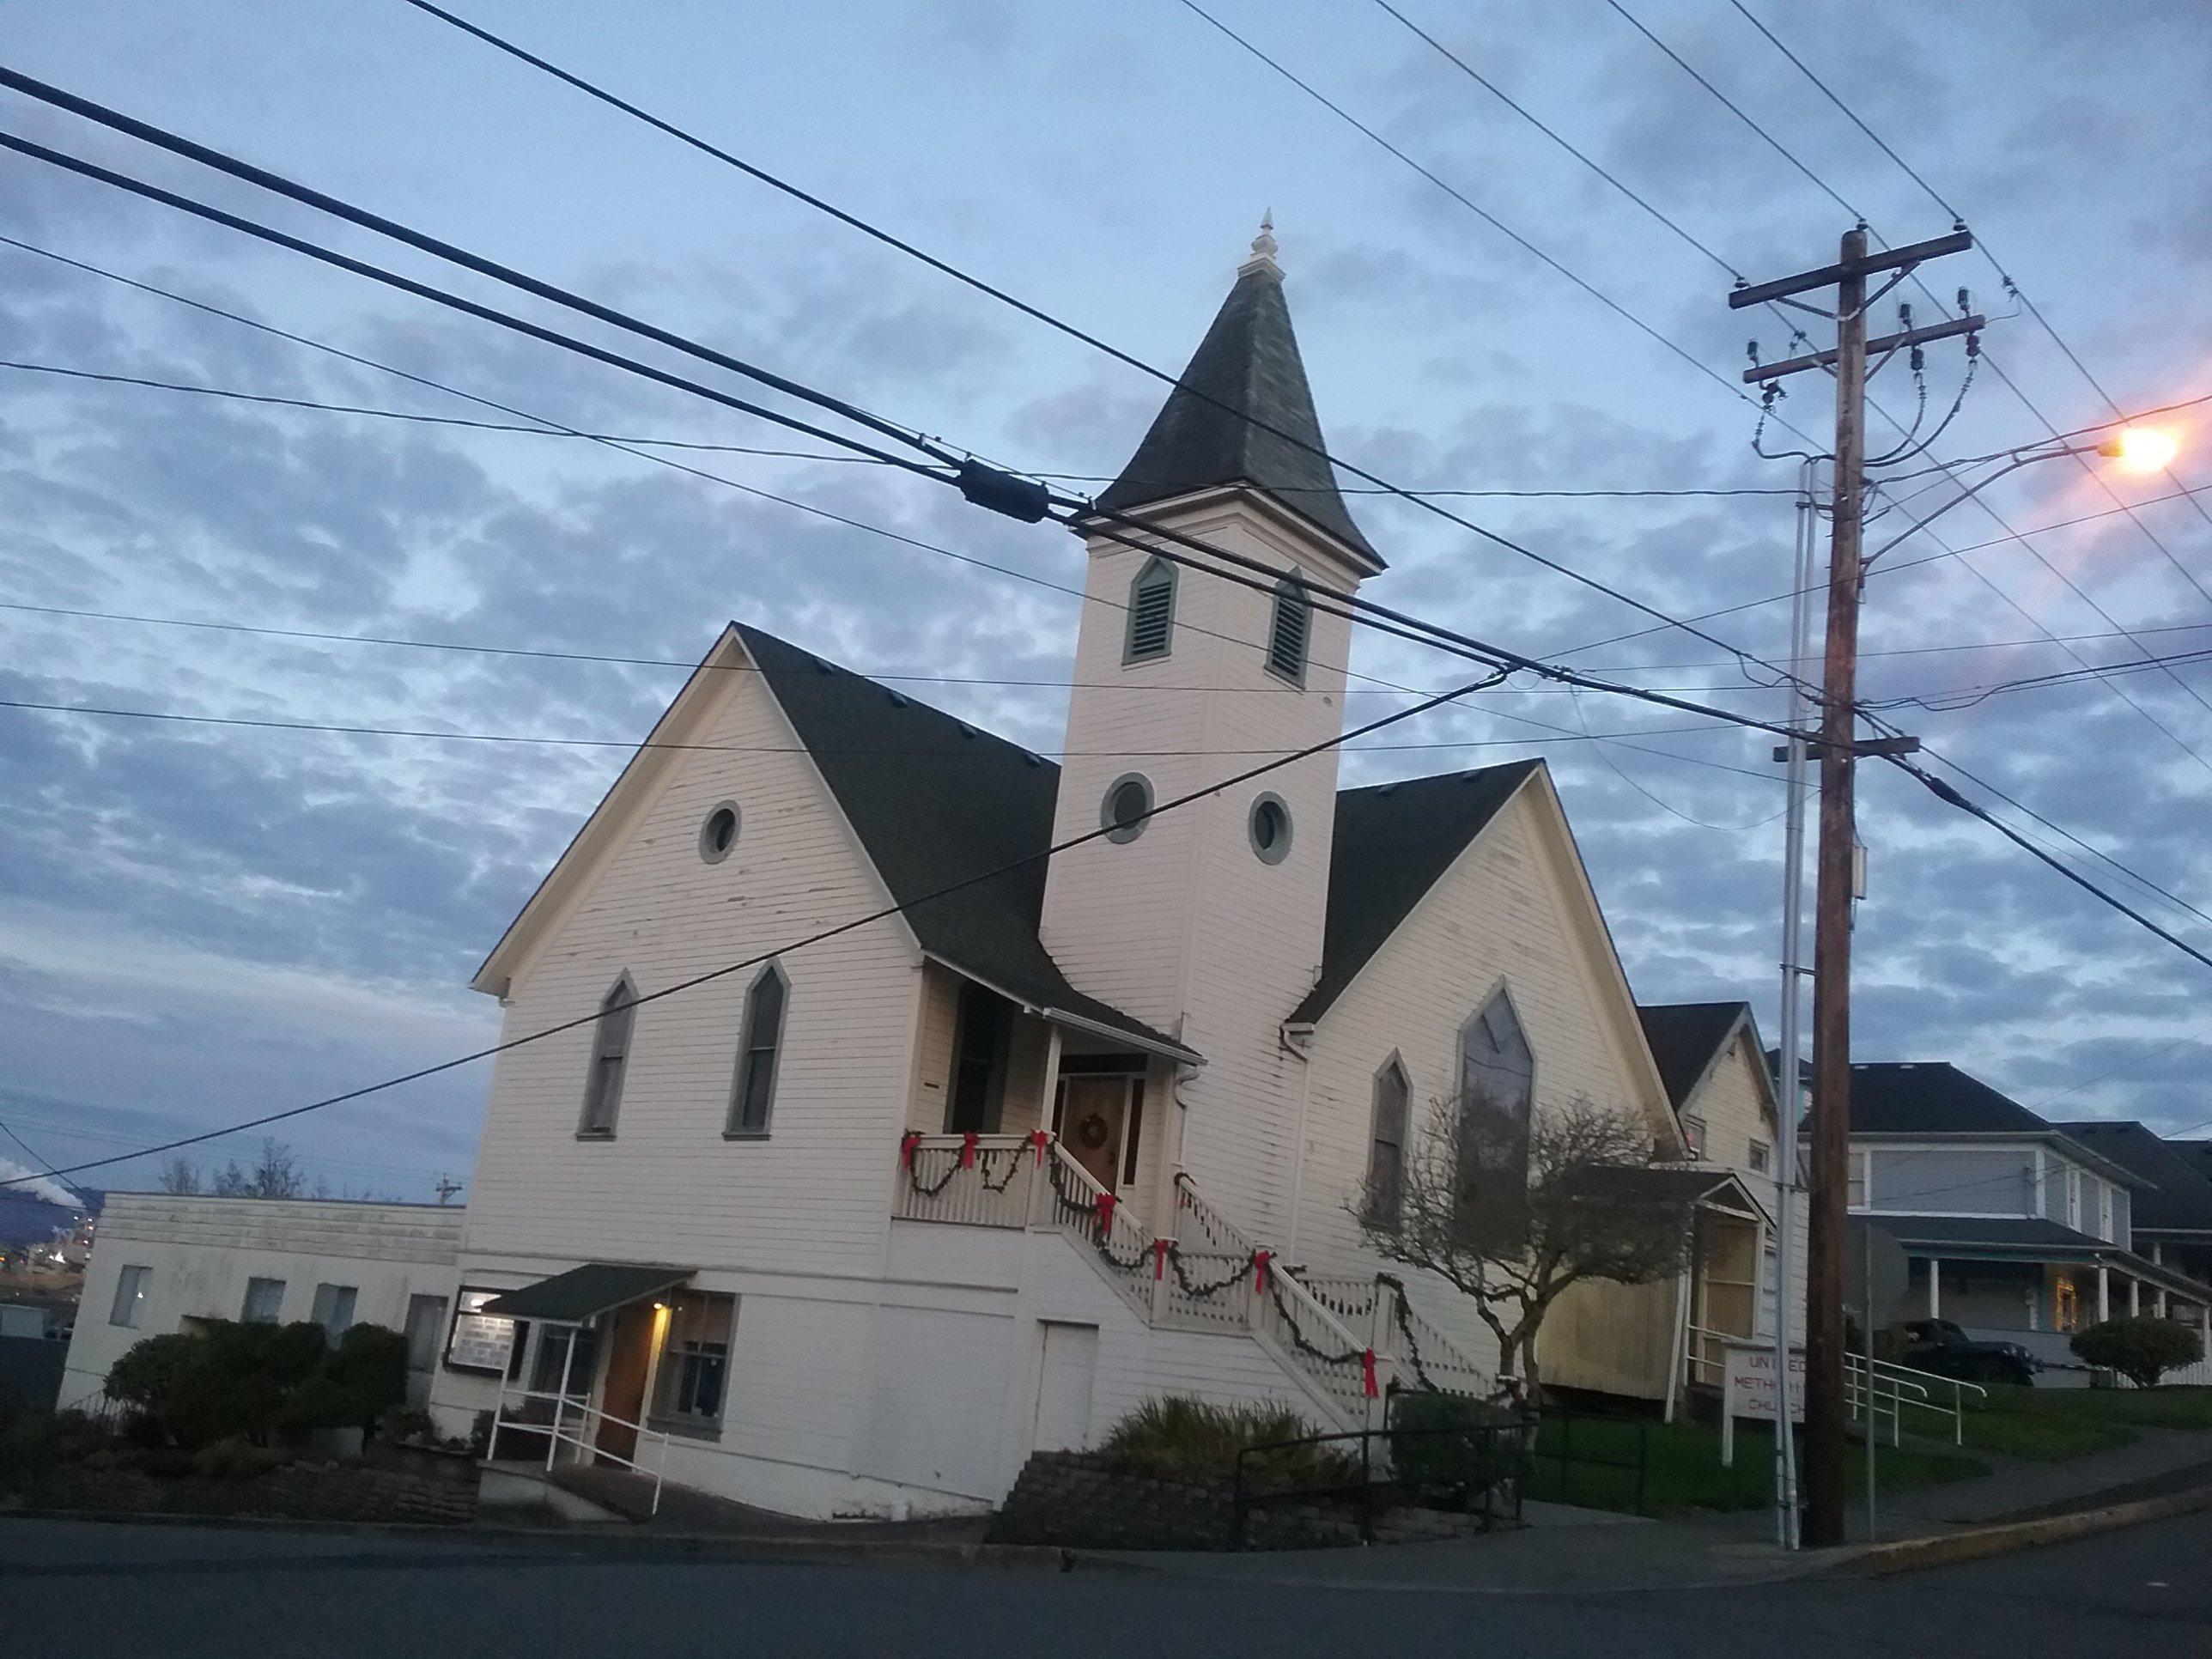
point(1121, 814)
point(1271, 828)
point(719, 833)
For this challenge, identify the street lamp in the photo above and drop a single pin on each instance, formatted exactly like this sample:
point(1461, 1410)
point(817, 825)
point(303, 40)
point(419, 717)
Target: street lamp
point(2137, 449)
point(2141, 448)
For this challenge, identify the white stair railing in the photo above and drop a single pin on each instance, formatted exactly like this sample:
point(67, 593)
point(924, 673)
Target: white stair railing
point(1343, 1368)
point(1071, 1199)
point(576, 1422)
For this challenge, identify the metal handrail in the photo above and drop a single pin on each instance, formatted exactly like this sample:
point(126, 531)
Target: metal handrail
point(556, 1434)
point(1900, 1377)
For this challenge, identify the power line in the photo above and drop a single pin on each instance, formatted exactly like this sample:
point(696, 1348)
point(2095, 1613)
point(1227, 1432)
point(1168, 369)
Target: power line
point(1039, 314)
point(793, 503)
point(1503, 97)
point(1075, 512)
point(2033, 310)
point(948, 751)
point(1775, 143)
point(1498, 657)
point(1471, 206)
point(111, 378)
point(820, 936)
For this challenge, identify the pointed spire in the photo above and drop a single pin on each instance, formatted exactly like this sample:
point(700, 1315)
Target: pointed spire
point(1249, 362)
point(1263, 249)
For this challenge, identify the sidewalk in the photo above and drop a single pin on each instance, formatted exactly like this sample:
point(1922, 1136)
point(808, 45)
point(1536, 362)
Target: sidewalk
point(1566, 1551)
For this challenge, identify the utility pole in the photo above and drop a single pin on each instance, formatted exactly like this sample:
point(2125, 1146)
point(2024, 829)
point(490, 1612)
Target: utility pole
point(1839, 749)
point(446, 1189)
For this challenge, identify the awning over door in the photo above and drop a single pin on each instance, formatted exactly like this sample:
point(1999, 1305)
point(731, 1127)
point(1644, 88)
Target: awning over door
point(1686, 1184)
point(572, 1298)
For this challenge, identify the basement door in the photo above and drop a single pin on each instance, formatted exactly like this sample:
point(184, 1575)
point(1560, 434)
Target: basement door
point(1065, 1373)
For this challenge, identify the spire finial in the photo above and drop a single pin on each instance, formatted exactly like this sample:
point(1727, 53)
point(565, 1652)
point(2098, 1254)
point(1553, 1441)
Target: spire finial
point(1263, 248)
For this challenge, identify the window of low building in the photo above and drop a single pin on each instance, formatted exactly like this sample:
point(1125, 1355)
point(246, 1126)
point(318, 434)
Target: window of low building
point(1762, 1156)
point(695, 1359)
point(265, 1302)
point(426, 1322)
point(334, 1305)
point(129, 1303)
point(483, 1342)
point(1693, 1135)
point(1860, 1169)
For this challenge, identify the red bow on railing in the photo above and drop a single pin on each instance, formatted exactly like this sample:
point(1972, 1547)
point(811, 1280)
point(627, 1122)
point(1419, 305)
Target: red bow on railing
point(1105, 1214)
point(1367, 1372)
point(907, 1143)
point(1160, 1258)
point(1038, 1140)
point(1260, 1260)
point(968, 1151)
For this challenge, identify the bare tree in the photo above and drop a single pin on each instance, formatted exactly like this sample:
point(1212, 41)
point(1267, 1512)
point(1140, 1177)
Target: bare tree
point(276, 1173)
point(180, 1174)
point(1513, 1212)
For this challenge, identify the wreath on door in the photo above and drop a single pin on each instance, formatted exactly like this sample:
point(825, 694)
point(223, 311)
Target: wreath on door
point(1092, 1130)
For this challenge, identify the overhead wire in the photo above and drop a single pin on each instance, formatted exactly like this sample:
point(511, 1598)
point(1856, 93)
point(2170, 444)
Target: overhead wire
point(2161, 726)
point(2034, 311)
point(1074, 511)
point(854, 924)
point(1423, 500)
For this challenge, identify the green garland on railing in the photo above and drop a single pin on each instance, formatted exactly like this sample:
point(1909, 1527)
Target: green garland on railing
point(1298, 1339)
point(1101, 1238)
point(1207, 1292)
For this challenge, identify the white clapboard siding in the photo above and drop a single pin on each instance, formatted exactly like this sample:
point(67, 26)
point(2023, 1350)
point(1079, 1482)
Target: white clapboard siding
point(668, 1187)
point(1512, 911)
point(1185, 926)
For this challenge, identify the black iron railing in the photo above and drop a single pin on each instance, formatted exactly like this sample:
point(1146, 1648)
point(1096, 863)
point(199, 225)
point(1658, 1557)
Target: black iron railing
point(1475, 1469)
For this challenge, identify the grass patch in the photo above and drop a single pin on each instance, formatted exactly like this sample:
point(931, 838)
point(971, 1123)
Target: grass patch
point(1682, 1467)
point(2140, 1408)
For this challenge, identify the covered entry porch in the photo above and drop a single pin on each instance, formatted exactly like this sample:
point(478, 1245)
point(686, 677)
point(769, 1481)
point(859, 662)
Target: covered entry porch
point(991, 1067)
point(2035, 1283)
point(617, 1359)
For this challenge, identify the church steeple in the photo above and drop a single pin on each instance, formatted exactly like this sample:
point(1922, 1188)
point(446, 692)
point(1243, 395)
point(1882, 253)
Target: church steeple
point(1247, 365)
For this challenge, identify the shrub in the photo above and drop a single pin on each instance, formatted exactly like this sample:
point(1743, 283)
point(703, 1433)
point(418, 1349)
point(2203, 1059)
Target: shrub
point(231, 1381)
point(360, 1379)
point(1178, 1438)
point(236, 1460)
point(2140, 1350)
point(1431, 1457)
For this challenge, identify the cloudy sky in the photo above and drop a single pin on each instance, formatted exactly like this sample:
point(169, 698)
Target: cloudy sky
point(202, 922)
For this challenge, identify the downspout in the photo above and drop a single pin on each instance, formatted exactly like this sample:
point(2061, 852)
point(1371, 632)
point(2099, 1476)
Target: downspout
point(1296, 1039)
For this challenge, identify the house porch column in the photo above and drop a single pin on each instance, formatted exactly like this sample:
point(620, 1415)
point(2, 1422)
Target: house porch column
point(2104, 1293)
point(1934, 1287)
point(2134, 1298)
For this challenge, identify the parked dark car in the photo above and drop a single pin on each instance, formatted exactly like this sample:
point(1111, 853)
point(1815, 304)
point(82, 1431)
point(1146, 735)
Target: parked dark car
point(1939, 1347)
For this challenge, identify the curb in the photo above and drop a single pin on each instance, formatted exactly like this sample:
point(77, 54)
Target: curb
point(1976, 1543)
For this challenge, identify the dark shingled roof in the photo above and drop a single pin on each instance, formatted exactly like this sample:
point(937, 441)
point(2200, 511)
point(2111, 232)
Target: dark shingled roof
point(1933, 1097)
point(1999, 1231)
point(1247, 363)
point(571, 1298)
point(927, 825)
point(2177, 1197)
point(1684, 1038)
point(1394, 840)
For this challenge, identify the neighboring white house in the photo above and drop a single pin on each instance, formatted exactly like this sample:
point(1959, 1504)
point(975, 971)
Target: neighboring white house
point(1021, 1136)
point(163, 1262)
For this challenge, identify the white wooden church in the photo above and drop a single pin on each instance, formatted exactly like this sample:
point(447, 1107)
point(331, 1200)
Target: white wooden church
point(855, 1228)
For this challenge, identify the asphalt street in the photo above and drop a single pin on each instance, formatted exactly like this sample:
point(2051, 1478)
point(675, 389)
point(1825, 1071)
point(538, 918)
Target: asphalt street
point(91, 1590)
